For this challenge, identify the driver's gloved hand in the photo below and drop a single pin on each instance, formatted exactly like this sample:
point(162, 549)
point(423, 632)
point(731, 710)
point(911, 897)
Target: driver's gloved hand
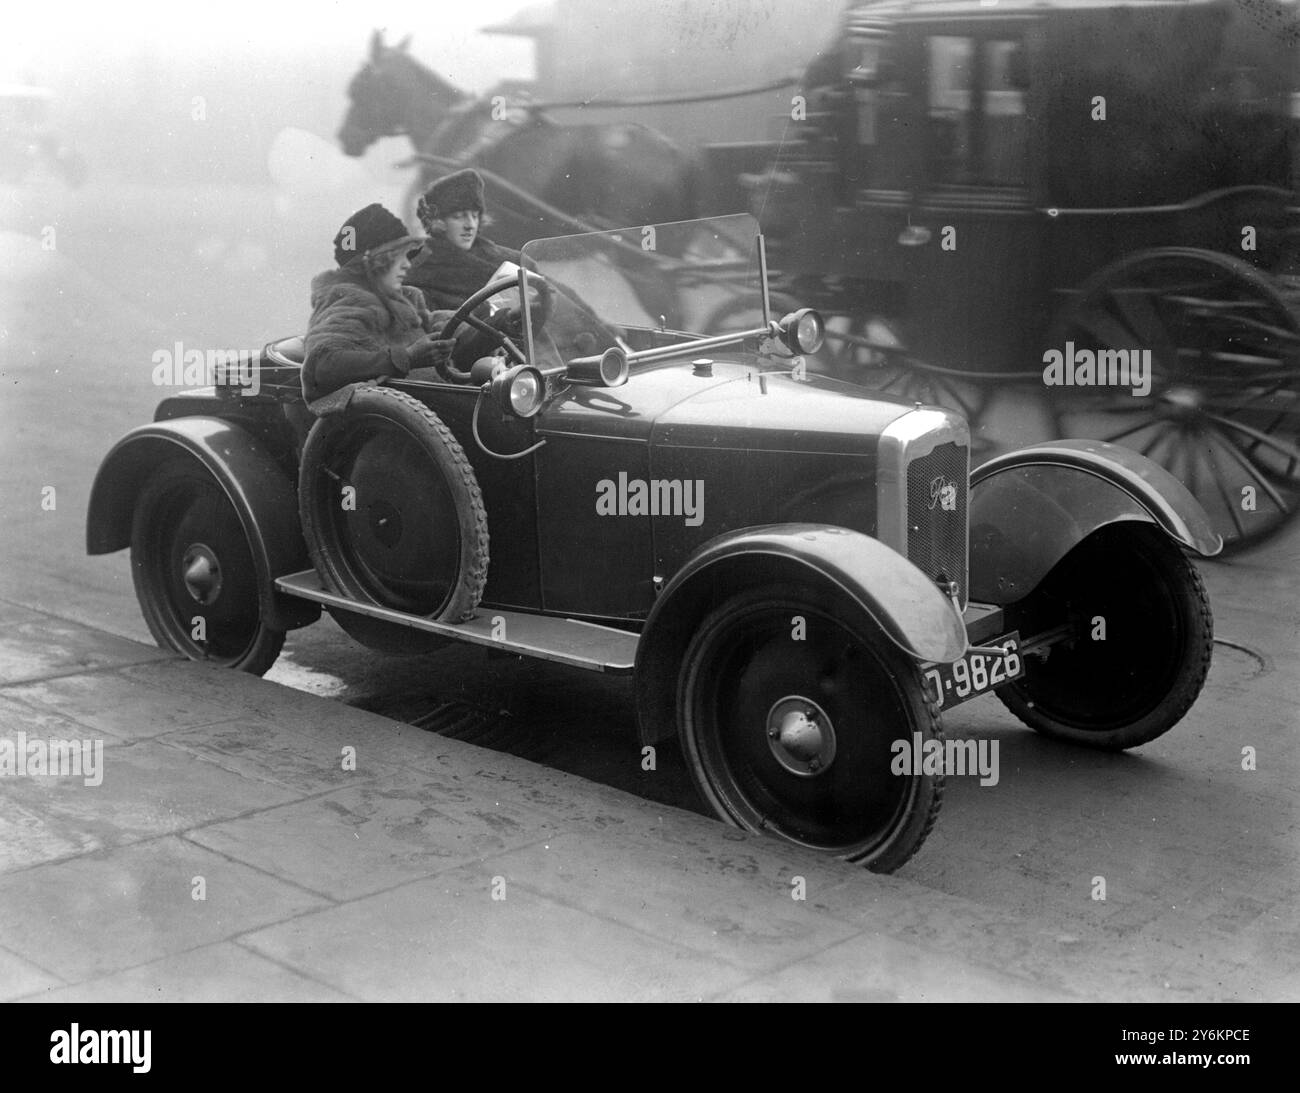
point(507, 321)
point(430, 351)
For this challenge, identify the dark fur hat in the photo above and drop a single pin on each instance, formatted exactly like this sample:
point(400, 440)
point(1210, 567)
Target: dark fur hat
point(370, 233)
point(452, 194)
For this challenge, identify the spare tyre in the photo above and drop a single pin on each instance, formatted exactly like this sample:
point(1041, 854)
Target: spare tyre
point(391, 511)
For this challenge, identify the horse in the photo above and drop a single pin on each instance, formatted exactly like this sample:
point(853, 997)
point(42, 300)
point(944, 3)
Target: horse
point(594, 176)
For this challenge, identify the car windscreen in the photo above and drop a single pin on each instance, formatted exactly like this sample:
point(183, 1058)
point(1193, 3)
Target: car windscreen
point(697, 276)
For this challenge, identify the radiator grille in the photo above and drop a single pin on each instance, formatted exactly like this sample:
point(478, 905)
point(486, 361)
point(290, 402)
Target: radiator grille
point(937, 485)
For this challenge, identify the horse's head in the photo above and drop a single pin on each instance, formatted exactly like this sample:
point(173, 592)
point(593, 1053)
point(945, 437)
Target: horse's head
point(391, 95)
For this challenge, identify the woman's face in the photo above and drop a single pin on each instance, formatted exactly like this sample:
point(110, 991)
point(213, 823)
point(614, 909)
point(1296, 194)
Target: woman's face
point(462, 227)
point(395, 274)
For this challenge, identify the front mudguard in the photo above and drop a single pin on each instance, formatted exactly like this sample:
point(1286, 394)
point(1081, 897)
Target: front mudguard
point(877, 584)
point(1030, 508)
point(255, 483)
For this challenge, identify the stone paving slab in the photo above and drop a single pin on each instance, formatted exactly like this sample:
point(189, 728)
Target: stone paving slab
point(148, 789)
point(367, 838)
point(35, 645)
point(19, 977)
point(111, 910)
point(111, 702)
point(222, 972)
point(323, 882)
point(447, 939)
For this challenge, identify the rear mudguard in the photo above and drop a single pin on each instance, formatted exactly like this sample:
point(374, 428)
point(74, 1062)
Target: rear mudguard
point(1029, 508)
point(256, 485)
point(876, 583)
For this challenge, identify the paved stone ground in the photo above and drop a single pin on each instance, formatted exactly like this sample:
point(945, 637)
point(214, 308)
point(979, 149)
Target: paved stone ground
point(378, 883)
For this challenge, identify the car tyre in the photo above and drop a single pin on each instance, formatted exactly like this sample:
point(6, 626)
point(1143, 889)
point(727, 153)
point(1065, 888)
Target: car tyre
point(391, 510)
point(1143, 636)
point(191, 560)
point(748, 682)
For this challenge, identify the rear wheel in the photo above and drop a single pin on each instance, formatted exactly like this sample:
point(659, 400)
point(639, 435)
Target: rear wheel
point(791, 731)
point(194, 572)
point(1139, 645)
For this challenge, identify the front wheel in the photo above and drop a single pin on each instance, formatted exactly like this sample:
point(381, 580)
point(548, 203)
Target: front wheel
point(1140, 637)
point(789, 711)
point(194, 572)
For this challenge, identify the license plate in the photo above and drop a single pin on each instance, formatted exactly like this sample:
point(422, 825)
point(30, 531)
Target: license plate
point(976, 673)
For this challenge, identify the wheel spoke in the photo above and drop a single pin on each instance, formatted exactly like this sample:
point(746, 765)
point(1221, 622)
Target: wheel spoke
point(1142, 318)
point(1129, 431)
point(1248, 465)
point(1229, 502)
point(1290, 451)
point(1148, 449)
point(1245, 400)
point(1104, 329)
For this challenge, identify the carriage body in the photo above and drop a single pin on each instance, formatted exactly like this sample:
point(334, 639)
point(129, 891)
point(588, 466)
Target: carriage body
point(969, 167)
point(980, 189)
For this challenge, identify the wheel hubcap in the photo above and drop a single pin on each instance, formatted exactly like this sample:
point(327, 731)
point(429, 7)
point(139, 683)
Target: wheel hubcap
point(1182, 403)
point(202, 573)
point(801, 736)
point(386, 523)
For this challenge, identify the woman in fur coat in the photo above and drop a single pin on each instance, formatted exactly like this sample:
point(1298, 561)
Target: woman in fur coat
point(365, 324)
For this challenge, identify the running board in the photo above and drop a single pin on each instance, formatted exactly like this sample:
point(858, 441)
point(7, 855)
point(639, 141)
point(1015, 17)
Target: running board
point(544, 637)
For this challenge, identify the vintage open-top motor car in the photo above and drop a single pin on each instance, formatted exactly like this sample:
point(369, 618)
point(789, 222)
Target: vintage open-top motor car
point(800, 573)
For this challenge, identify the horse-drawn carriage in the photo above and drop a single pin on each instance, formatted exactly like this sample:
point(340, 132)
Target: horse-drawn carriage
point(998, 192)
point(983, 187)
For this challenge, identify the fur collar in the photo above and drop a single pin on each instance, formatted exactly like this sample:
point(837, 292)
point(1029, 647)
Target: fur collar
point(353, 288)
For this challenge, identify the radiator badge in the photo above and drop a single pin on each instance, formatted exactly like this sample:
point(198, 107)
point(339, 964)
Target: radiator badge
point(943, 492)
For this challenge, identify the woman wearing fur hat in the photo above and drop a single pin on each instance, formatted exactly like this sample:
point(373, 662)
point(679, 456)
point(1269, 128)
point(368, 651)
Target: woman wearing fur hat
point(456, 260)
point(365, 323)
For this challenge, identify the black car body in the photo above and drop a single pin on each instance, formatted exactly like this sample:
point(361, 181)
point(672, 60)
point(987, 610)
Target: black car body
point(796, 569)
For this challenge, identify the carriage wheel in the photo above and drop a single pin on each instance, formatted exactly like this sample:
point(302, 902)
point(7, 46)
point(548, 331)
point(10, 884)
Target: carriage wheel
point(1223, 410)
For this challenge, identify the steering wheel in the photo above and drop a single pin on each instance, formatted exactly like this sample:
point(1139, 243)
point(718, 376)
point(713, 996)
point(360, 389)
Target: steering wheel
point(464, 315)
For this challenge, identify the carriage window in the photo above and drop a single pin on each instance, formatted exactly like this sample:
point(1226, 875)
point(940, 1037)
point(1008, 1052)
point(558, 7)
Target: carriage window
point(977, 111)
point(1005, 132)
point(952, 78)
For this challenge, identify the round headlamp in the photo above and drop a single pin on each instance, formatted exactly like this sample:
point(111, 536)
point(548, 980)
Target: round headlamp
point(519, 391)
point(803, 330)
